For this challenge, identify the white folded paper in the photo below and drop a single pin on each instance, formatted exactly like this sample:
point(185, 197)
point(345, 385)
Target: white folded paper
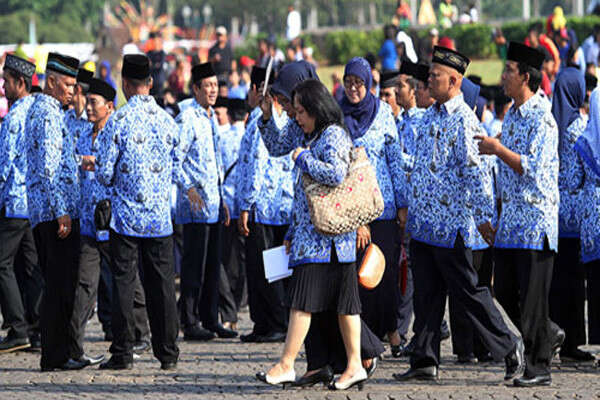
point(276, 262)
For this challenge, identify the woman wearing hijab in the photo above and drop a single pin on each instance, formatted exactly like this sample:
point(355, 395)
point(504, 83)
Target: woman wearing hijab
point(588, 148)
point(371, 125)
point(567, 292)
point(314, 256)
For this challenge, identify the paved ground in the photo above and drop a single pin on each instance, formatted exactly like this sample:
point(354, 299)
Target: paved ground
point(224, 369)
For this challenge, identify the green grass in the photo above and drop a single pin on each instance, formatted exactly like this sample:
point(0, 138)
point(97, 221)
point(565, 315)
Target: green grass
point(489, 70)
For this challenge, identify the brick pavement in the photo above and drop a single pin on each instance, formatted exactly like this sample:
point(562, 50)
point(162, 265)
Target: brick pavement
point(224, 369)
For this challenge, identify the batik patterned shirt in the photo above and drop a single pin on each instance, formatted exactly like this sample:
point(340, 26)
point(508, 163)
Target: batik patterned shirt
point(229, 143)
point(450, 185)
point(327, 162)
point(590, 216)
point(404, 154)
point(13, 160)
point(92, 191)
point(379, 141)
point(530, 201)
point(76, 125)
point(266, 183)
point(201, 165)
point(137, 156)
point(52, 168)
point(570, 180)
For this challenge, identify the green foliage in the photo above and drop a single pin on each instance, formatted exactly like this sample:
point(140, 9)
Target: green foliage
point(14, 27)
point(341, 46)
point(473, 40)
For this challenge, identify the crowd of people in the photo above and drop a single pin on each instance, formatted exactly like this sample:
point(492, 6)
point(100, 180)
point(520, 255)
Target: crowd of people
point(488, 191)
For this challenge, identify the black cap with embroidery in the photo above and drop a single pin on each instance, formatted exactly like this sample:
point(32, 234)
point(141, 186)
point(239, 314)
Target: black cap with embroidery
point(450, 58)
point(19, 65)
point(201, 71)
point(135, 66)
point(389, 79)
point(102, 88)
point(520, 52)
point(64, 65)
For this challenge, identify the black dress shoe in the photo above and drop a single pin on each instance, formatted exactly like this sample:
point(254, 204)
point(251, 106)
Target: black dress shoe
point(69, 365)
point(418, 374)
point(273, 337)
point(88, 360)
point(324, 375)
point(252, 337)
point(36, 342)
point(10, 344)
point(222, 332)
point(197, 333)
point(538, 380)
point(515, 361)
point(559, 339)
point(466, 359)
point(576, 355)
point(115, 364)
point(168, 365)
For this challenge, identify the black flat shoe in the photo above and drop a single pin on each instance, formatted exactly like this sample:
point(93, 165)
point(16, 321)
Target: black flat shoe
point(373, 367)
point(273, 337)
point(222, 332)
point(418, 374)
point(538, 380)
point(88, 360)
point(114, 364)
point(396, 350)
point(324, 375)
point(515, 361)
point(168, 365)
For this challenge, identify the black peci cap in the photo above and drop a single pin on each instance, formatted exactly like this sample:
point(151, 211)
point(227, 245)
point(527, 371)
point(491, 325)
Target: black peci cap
point(450, 58)
point(102, 88)
point(84, 76)
point(64, 65)
point(135, 66)
point(389, 79)
point(258, 75)
point(417, 71)
point(222, 102)
point(519, 52)
point(201, 71)
point(237, 105)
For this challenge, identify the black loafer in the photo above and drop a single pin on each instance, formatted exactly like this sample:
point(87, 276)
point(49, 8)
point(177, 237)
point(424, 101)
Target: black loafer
point(538, 380)
point(222, 332)
point(515, 361)
point(197, 333)
point(89, 360)
point(252, 337)
point(418, 374)
point(168, 365)
point(115, 364)
point(324, 375)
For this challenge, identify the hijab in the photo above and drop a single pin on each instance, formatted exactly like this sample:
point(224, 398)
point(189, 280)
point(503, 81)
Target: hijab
point(588, 144)
point(568, 98)
point(359, 117)
point(292, 74)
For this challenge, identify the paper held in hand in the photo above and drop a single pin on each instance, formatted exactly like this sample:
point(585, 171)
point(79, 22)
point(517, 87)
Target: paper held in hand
point(276, 262)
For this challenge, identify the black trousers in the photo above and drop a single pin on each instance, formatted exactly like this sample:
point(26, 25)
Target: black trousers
point(158, 280)
point(21, 281)
point(232, 279)
point(567, 293)
point(200, 270)
point(593, 301)
point(93, 254)
point(439, 272)
point(59, 262)
point(405, 299)
point(266, 301)
point(380, 305)
point(522, 281)
point(324, 344)
point(465, 342)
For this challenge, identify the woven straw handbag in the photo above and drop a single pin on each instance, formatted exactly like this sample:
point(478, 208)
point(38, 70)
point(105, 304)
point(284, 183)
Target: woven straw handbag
point(344, 208)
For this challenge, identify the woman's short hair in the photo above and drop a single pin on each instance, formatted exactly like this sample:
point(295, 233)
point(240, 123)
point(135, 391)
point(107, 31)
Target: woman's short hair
point(318, 103)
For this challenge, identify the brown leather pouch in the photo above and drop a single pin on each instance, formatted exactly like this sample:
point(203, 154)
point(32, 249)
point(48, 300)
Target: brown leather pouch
point(372, 267)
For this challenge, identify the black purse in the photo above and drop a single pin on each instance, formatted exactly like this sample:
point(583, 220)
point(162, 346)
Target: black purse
point(102, 215)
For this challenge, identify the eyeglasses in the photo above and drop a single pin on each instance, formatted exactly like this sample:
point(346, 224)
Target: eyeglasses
point(356, 83)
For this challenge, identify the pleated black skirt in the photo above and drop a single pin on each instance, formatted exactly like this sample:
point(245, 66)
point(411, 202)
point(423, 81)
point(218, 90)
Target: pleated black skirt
point(316, 288)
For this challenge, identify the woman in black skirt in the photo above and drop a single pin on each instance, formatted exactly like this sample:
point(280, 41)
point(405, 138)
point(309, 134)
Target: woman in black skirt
point(324, 277)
